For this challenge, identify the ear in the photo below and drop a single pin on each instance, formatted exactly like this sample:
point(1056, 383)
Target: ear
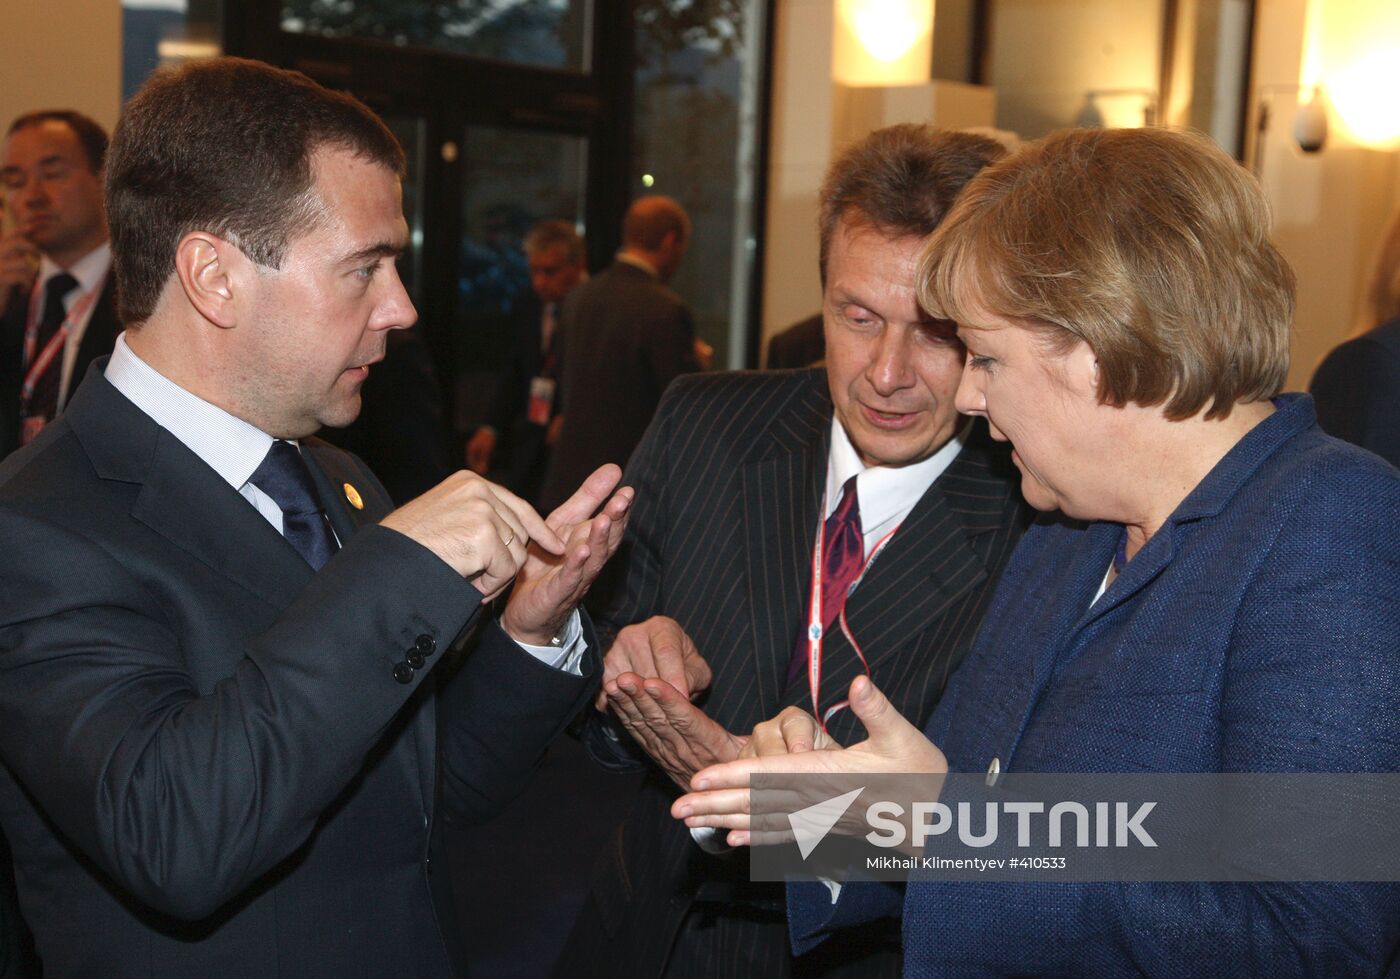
point(1081, 366)
point(211, 271)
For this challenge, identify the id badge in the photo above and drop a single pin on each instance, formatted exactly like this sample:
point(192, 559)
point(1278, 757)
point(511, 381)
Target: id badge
point(541, 400)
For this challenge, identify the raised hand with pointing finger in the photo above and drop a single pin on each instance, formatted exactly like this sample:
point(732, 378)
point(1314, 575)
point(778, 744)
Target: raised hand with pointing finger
point(551, 584)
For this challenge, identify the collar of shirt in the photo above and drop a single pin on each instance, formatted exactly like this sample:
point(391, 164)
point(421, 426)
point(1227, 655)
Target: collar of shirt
point(88, 270)
point(887, 493)
point(232, 448)
point(640, 263)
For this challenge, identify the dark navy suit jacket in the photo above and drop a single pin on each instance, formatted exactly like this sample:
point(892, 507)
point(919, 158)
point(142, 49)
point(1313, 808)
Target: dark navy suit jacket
point(1258, 630)
point(213, 764)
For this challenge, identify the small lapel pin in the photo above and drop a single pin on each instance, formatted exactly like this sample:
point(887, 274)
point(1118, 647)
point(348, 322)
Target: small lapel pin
point(353, 495)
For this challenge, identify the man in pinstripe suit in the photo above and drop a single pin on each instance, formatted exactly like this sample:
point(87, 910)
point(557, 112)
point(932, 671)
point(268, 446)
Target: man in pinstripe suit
point(734, 478)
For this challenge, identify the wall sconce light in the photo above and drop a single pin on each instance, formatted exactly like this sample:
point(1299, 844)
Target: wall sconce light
point(887, 29)
point(1309, 121)
point(1354, 45)
point(1091, 116)
point(883, 42)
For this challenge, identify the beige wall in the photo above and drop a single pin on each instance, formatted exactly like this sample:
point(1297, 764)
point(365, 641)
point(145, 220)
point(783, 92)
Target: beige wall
point(1330, 208)
point(60, 54)
point(799, 150)
point(1046, 55)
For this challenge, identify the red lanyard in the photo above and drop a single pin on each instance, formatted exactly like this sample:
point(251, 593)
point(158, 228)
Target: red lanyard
point(815, 619)
point(38, 365)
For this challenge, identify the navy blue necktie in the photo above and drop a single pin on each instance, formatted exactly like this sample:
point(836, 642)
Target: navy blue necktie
point(284, 477)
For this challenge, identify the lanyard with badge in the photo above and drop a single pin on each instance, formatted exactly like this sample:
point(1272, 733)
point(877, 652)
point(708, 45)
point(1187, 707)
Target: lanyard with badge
point(40, 363)
point(814, 620)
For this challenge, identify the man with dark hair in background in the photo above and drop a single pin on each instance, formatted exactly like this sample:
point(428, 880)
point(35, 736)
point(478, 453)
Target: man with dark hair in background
point(624, 336)
point(57, 301)
point(240, 695)
point(522, 424)
point(746, 482)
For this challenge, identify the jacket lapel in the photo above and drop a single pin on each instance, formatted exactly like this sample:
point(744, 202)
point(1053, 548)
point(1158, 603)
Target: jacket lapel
point(782, 485)
point(181, 498)
point(335, 480)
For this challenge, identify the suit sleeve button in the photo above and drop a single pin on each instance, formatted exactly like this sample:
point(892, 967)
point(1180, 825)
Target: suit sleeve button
point(414, 659)
point(425, 644)
point(403, 672)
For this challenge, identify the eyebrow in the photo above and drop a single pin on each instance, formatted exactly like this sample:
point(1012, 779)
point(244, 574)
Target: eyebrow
point(842, 294)
point(382, 249)
point(49, 160)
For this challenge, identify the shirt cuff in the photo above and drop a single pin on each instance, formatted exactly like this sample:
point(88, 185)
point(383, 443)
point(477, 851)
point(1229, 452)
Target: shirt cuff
point(568, 655)
point(834, 887)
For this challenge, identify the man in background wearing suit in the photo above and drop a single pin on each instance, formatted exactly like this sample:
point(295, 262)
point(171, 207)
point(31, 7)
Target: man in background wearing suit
point(57, 300)
point(746, 483)
point(240, 696)
point(523, 421)
point(623, 338)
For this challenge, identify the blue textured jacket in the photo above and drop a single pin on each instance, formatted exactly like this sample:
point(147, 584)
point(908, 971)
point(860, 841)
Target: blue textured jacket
point(1257, 631)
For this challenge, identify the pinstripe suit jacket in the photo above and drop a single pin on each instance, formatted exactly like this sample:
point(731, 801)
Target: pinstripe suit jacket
point(729, 479)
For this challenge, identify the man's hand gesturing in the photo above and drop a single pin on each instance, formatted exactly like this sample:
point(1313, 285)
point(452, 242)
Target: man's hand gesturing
point(678, 736)
point(650, 676)
point(551, 584)
point(657, 648)
point(482, 530)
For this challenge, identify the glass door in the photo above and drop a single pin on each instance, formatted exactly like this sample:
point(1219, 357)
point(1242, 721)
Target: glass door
point(506, 181)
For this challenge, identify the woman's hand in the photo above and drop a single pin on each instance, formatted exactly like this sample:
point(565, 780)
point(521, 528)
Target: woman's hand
point(793, 743)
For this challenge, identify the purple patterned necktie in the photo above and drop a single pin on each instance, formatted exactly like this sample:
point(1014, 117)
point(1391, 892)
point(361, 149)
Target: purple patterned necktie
point(843, 552)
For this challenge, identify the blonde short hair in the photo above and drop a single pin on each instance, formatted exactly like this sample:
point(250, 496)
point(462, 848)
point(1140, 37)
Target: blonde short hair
point(1150, 245)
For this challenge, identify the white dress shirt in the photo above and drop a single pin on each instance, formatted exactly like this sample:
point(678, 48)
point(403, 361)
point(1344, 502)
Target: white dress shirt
point(234, 449)
point(91, 272)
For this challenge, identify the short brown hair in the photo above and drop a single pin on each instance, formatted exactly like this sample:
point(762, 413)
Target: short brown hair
point(901, 179)
point(556, 234)
point(1150, 245)
point(650, 219)
point(223, 146)
point(91, 136)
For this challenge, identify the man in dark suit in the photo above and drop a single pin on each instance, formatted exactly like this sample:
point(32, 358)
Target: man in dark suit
point(240, 695)
point(746, 483)
point(624, 336)
point(523, 422)
point(57, 300)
